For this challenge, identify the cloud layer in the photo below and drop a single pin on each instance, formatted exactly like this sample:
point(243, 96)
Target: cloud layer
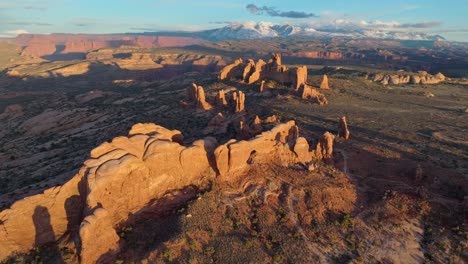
point(271, 11)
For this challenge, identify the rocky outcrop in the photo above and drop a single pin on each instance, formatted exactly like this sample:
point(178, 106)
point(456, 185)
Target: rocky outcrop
point(196, 94)
point(343, 128)
point(420, 77)
point(324, 148)
point(238, 99)
point(221, 98)
point(262, 86)
point(257, 73)
point(273, 70)
point(248, 70)
point(121, 178)
point(307, 92)
point(300, 77)
point(246, 131)
point(232, 70)
point(324, 83)
point(126, 177)
point(271, 119)
point(275, 146)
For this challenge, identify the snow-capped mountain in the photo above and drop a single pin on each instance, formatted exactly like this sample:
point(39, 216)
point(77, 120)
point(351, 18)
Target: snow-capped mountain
point(261, 30)
point(251, 30)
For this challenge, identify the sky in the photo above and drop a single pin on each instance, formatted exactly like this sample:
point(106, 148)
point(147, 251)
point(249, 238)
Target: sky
point(448, 18)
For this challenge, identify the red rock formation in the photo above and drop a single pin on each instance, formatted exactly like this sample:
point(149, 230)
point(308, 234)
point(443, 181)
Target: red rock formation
point(196, 94)
point(192, 93)
point(309, 92)
point(271, 146)
point(343, 128)
point(201, 100)
point(324, 83)
point(238, 98)
point(127, 176)
point(257, 73)
point(324, 149)
point(300, 77)
point(221, 98)
point(262, 87)
point(248, 70)
point(231, 70)
point(276, 58)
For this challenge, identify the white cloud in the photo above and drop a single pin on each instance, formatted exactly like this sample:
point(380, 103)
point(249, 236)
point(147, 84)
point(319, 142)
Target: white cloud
point(13, 33)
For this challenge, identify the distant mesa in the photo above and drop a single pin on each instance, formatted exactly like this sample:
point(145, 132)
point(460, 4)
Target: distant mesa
point(59, 45)
point(126, 177)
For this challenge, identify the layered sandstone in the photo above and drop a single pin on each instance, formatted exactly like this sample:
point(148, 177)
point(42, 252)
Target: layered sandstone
point(127, 176)
point(121, 178)
point(277, 145)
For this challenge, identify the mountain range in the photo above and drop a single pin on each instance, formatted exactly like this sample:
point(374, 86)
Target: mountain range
point(265, 30)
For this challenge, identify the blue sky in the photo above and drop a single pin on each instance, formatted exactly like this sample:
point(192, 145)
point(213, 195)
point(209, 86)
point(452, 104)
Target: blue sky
point(448, 18)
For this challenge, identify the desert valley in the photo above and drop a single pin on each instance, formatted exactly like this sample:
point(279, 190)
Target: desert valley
point(207, 148)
